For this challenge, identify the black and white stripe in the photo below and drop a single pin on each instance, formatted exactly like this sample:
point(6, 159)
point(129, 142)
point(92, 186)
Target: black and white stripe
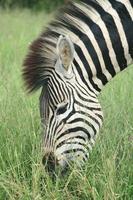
point(102, 36)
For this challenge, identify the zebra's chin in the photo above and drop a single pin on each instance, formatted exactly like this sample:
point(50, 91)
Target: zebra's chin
point(54, 167)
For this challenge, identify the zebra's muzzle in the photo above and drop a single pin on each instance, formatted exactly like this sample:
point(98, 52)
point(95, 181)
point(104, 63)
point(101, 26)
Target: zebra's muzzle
point(50, 162)
point(53, 166)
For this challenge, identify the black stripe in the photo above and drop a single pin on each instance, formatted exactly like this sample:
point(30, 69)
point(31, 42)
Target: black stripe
point(87, 107)
point(84, 99)
point(64, 88)
point(73, 130)
point(91, 117)
point(131, 2)
point(75, 12)
point(85, 62)
point(71, 138)
point(52, 96)
point(97, 32)
point(73, 151)
point(100, 116)
point(126, 22)
point(85, 121)
point(84, 91)
point(79, 95)
point(113, 32)
point(56, 81)
point(86, 42)
point(81, 88)
point(82, 76)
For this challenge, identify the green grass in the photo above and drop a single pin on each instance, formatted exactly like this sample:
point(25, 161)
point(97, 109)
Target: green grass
point(108, 175)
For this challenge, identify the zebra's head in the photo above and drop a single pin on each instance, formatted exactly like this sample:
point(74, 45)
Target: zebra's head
point(68, 120)
point(70, 113)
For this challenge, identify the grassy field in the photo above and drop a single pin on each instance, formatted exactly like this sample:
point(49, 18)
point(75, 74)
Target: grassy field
point(108, 175)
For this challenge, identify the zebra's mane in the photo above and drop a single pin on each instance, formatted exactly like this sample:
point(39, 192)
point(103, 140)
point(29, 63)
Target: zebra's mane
point(42, 53)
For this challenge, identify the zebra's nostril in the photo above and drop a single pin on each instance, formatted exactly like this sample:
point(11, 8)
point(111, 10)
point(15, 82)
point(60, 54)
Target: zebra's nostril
point(50, 162)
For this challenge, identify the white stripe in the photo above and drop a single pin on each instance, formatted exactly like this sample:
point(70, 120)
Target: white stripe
point(71, 137)
point(79, 140)
point(75, 39)
point(67, 147)
point(79, 124)
point(95, 17)
point(85, 29)
point(121, 32)
point(79, 83)
point(81, 92)
point(88, 112)
point(78, 77)
point(87, 103)
point(83, 124)
point(79, 42)
point(85, 75)
point(89, 60)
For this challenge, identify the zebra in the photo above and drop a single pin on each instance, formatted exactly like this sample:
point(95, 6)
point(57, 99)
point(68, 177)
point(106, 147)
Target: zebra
point(79, 52)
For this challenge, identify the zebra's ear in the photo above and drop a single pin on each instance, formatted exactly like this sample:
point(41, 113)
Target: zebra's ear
point(65, 51)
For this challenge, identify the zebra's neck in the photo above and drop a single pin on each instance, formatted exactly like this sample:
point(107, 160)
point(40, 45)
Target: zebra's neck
point(106, 44)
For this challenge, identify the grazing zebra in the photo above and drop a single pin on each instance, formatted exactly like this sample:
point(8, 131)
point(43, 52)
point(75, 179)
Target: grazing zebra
point(86, 45)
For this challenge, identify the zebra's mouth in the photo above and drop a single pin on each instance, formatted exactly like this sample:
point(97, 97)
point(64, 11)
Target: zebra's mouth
point(53, 166)
point(50, 162)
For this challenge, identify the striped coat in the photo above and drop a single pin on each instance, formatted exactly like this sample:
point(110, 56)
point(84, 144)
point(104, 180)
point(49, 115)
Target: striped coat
point(80, 51)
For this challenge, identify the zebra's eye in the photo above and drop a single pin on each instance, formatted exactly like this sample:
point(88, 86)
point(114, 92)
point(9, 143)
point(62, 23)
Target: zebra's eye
point(61, 109)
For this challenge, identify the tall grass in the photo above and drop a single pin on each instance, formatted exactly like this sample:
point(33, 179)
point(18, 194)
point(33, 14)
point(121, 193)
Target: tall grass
point(108, 175)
